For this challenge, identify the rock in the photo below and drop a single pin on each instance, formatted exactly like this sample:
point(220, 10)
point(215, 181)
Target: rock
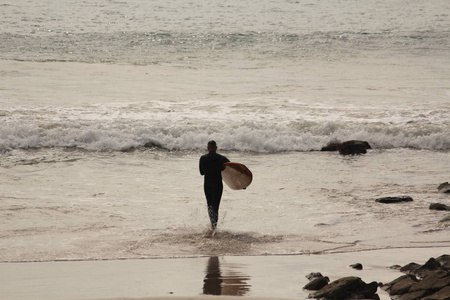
point(395, 267)
point(444, 187)
point(439, 206)
point(313, 275)
point(400, 285)
point(443, 294)
point(430, 266)
point(394, 199)
point(317, 283)
point(410, 268)
point(444, 261)
point(354, 147)
point(348, 147)
point(413, 296)
point(357, 266)
point(433, 282)
point(347, 288)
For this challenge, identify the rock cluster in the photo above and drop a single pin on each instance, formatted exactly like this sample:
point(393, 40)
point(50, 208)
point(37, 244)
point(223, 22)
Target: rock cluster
point(342, 289)
point(433, 206)
point(430, 281)
point(348, 148)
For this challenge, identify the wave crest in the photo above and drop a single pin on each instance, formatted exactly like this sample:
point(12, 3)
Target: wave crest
point(244, 136)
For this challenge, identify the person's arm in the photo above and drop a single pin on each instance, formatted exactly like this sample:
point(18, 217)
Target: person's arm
point(224, 160)
point(200, 166)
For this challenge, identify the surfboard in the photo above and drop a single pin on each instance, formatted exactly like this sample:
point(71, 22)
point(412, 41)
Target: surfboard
point(237, 176)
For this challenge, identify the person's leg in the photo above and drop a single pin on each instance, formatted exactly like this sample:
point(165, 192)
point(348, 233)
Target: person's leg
point(213, 195)
point(214, 211)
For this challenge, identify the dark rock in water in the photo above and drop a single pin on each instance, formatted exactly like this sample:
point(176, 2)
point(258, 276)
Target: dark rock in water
point(394, 199)
point(347, 288)
point(439, 206)
point(317, 283)
point(357, 266)
point(348, 148)
point(354, 147)
point(444, 187)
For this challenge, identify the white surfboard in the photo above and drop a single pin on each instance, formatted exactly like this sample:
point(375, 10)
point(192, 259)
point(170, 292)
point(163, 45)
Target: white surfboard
point(237, 176)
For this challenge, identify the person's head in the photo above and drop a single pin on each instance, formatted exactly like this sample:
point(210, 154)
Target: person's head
point(212, 146)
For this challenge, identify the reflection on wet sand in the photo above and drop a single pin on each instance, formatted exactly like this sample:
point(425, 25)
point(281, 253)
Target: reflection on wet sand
point(216, 283)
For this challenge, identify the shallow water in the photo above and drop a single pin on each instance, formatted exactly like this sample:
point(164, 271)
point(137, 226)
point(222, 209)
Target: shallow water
point(151, 204)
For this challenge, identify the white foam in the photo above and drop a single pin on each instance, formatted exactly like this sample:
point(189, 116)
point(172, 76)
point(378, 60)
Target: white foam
point(191, 134)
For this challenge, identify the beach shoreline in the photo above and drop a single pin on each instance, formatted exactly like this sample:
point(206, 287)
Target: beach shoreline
point(272, 276)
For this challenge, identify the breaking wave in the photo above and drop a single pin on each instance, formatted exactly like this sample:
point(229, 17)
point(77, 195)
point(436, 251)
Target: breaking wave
point(239, 136)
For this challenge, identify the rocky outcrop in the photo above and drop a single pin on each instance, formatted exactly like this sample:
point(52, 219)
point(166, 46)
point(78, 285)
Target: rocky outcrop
point(348, 148)
point(347, 288)
point(394, 199)
point(430, 281)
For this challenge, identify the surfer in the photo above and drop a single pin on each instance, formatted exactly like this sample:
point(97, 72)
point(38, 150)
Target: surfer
point(211, 166)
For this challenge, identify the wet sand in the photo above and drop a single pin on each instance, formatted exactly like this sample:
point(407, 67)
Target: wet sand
point(185, 278)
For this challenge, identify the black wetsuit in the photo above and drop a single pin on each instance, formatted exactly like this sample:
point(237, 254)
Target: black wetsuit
point(211, 166)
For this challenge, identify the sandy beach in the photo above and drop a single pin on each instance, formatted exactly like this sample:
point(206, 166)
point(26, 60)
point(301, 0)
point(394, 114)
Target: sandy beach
point(184, 278)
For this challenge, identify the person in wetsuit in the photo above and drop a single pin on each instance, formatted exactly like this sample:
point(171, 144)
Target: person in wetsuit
point(211, 166)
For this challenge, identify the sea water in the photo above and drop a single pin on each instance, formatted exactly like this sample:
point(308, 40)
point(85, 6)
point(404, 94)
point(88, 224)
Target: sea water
point(106, 107)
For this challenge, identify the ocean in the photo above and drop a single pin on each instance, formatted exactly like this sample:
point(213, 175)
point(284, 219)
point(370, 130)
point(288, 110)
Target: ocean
point(106, 107)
